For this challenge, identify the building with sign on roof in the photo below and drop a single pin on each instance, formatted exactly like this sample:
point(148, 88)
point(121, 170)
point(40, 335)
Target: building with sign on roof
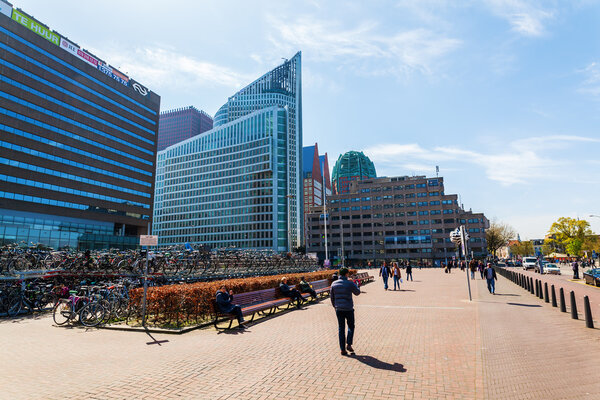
point(77, 142)
point(239, 184)
point(180, 124)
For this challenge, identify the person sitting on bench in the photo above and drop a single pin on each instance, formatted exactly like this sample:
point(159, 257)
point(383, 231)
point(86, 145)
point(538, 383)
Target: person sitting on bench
point(289, 292)
point(224, 304)
point(305, 288)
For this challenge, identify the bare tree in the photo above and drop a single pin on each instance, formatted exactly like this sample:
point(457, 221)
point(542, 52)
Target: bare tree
point(498, 235)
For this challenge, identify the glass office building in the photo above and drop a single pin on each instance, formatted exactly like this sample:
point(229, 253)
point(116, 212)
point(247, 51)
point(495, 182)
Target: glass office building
point(77, 142)
point(239, 184)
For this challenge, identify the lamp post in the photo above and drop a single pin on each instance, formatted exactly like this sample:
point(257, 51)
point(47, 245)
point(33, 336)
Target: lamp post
point(596, 216)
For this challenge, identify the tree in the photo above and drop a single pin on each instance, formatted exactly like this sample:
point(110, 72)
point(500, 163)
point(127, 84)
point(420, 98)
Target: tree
point(498, 235)
point(522, 249)
point(568, 235)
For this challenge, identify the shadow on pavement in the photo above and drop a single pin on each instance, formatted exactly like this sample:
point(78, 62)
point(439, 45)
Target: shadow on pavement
point(154, 341)
point(524, 305)
point(375, 363)
point(507, 294)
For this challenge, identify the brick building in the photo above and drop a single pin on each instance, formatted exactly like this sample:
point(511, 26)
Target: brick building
point(392, 219)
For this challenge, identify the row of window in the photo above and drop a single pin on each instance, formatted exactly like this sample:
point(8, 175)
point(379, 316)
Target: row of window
point(62, 189)
point(66, 204)
point(80, 72)
point(75, 96)
point(30, 167)
point(73, 122)
point(72, 163)
point(431, 182)
point(70, 148)
point(66, 133)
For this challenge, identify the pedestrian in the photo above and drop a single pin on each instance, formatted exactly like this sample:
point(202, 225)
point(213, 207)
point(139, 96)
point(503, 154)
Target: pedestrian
point(450, 265)
point(490, 275)
point(291, 293)
point(341, 298)
point(575, 267)
point(480, 267)
point(385, 273)
point(409, 272)
point(472, 266)
point(396, 275)
point(223, 300)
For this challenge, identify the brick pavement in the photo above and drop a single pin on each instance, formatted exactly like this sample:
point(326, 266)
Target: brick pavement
point(425, 342)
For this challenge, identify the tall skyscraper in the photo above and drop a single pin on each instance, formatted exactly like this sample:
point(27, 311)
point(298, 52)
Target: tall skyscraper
point(239, 183)
point(180, 124)
point(350, 167)
point(315, 179)
point(77, 142)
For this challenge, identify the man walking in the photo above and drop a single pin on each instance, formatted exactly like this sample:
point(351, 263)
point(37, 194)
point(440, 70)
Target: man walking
point(490, 276)
point(341, 298)
point(385, 273)
point(409, 271)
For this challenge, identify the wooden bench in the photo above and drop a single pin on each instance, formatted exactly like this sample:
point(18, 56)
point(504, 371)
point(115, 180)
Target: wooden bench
point(264, 302)
point(362, 277)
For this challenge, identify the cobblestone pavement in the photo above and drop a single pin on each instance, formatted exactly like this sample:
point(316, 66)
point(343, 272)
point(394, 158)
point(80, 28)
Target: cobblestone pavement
point(427, 341)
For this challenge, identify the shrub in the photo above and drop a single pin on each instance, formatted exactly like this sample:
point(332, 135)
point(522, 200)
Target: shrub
point(185, 304)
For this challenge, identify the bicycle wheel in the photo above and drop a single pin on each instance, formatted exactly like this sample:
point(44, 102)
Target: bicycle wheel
point(92, 314)
point(62, 312)
point(15, 303)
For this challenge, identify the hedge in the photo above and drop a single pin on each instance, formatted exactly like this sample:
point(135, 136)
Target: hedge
point(174, 306)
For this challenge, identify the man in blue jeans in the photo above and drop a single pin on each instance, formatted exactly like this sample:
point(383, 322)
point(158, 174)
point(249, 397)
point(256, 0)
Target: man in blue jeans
point(341, 298)
point(490, 276)
point(385, 272)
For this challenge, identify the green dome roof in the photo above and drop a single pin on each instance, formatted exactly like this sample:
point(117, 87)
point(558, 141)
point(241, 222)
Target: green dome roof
point(354, 164)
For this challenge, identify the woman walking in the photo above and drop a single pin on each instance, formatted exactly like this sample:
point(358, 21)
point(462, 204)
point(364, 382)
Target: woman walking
point(397, 276)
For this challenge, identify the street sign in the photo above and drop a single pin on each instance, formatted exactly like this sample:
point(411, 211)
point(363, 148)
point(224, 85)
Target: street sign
point(148, 240)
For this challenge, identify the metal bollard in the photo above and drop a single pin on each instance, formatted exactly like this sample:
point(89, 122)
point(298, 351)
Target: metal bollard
point(589, 322)
point(563, 306)
point(573, 306)
point(537, 289)
point(546, 299)
point(541, 292)
point(553, 297)
point(531, 288)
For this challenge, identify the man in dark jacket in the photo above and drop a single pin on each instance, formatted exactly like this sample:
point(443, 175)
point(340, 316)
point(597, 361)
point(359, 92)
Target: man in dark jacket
point(385, 272)
point(341, 298)
point(490, 276)
point(408, 271)
point(306, 288)
point(289, 292)
point(224, 304)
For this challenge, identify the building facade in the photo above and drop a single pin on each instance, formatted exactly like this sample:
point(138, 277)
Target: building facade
point(78, 142)
point(238, 185)
point(351, 167)
point(180, 124)
point(390, 219)
point(315, 179)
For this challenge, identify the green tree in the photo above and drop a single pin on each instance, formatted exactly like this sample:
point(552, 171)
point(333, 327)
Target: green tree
point(522, 249)
point(498, 235)
point(568, 235)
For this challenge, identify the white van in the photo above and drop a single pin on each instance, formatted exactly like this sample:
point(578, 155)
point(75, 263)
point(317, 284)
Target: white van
point(529, 263)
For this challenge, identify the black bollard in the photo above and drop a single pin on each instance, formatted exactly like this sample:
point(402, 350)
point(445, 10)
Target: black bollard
point(553, 297)
point(573, 306)
point(563, 306)
point(537, 288)
point(541, 290)
point(589, 322)
point(531, 288)
point(546, 299)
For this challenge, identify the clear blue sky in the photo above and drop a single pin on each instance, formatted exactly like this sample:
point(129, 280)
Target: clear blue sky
point(503, 95)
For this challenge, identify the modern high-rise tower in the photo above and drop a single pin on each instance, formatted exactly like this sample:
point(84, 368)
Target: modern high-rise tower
point(239, 184)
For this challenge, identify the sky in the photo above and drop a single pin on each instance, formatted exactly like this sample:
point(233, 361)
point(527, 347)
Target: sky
point(502, 95)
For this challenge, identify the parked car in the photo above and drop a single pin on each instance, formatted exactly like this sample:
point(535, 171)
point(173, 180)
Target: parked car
point(529, 263)
point(509, 263)
point(550, 268)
